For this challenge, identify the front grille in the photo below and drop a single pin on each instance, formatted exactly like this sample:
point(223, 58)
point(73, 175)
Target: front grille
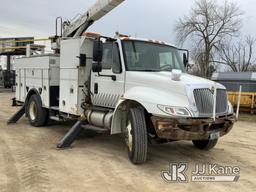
point(204, 101)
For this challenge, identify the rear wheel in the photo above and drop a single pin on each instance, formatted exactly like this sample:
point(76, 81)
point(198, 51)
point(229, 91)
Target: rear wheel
point(37, 115)
point(205, 144)
point(136, 136)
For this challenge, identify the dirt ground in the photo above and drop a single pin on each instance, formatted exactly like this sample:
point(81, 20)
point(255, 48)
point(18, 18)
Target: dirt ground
point(29, 160)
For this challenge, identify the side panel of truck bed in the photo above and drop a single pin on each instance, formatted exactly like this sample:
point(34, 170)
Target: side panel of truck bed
point(39, 73)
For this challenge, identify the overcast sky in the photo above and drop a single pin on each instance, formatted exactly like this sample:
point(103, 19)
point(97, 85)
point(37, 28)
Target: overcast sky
point(141, 18)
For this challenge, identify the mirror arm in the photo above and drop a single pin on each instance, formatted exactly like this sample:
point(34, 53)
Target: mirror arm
point(186, 50)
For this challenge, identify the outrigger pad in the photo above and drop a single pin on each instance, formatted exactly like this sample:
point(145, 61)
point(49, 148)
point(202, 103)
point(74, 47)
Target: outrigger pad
point(16, 117)
point(70, 137)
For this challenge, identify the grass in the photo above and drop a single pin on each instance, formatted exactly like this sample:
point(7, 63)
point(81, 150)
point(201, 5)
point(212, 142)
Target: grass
point(247, 117)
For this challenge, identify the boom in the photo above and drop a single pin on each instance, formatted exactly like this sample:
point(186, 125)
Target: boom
point(96, 12)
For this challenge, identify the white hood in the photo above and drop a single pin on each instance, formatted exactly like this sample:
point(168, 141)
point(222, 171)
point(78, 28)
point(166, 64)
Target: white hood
point(163, 80)
point(158, 88)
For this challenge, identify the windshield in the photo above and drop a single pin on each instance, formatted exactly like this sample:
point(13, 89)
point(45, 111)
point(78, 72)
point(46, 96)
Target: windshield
point(147, 56)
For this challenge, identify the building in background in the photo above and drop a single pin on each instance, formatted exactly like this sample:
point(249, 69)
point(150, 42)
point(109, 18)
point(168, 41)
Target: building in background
point(3, 62)
point(10, 47)
point(232, 81)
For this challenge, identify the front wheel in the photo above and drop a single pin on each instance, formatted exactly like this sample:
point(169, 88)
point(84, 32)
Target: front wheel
point(205, 144)
point(37, 115)
point(136, 136)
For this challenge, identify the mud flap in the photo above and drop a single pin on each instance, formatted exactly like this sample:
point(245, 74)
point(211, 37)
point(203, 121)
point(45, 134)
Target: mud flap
point(70, 137)
point(16, 117)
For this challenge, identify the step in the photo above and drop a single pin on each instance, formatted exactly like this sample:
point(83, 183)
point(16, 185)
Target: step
point(56, 108)
point(55, 118)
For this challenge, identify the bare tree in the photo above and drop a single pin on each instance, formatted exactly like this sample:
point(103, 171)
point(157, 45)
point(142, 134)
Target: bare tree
point(239, 55)
point(252, 68)
point(207, 25)
point(198, 56)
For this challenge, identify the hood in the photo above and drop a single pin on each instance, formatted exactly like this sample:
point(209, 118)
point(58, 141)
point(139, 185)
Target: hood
point(163, 81)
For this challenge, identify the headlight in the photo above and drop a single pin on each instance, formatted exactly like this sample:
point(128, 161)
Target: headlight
point(230, 108)
point(175, 111)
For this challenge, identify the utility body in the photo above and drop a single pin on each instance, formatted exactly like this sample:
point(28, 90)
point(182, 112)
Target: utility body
point(121, 85)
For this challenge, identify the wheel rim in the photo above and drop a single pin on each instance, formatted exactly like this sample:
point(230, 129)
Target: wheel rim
point(32, 110)
point(128, 135)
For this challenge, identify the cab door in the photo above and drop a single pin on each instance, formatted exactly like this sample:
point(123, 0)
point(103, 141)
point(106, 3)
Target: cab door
point(108, 86)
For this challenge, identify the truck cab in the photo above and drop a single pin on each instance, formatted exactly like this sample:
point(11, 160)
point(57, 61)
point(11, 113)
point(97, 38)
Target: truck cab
point(151, 80)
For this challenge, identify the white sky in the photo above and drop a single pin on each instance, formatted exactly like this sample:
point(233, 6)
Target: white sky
point(142, 18)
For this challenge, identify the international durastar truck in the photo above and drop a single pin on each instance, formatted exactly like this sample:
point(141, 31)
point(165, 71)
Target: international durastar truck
point(120, 85)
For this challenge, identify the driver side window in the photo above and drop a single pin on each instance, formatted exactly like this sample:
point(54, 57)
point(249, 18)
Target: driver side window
point(111, 57)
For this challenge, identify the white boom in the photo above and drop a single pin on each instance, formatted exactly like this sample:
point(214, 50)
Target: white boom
point(97, 11)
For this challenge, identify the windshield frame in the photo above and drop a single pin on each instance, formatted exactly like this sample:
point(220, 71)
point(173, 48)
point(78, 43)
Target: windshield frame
point(182, 67)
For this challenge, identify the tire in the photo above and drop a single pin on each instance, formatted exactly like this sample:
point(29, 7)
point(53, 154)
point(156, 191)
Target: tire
point(136, 136)
point(205, 144)
point(37, 115)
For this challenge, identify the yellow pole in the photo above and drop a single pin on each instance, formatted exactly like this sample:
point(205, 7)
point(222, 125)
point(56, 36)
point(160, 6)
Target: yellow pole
point(238, 102)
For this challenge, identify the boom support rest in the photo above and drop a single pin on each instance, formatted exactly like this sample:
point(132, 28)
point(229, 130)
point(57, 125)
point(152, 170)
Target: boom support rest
point(70, 137)
point(16, 117)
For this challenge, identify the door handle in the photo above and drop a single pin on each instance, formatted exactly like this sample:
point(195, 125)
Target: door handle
point(113, 77)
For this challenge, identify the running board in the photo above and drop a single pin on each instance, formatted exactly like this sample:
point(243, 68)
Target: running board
point(70, 137)
point(55, 108)
point(16, 117)
point(54, 118)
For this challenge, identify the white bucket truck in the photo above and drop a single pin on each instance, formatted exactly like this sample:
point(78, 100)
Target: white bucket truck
point(121, 85)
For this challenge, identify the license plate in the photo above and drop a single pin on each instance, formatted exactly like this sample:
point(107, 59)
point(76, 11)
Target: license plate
point(215, 135)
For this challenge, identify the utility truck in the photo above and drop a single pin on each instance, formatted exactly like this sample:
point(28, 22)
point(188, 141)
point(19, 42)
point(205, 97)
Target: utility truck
point(134, 87)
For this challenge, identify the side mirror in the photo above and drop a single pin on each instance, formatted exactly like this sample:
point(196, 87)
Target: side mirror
point(97, 67)
point(185, 59)
point(82, 60)
point(97, 51)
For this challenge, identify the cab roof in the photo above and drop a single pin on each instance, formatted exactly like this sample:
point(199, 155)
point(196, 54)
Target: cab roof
point(146, 40)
